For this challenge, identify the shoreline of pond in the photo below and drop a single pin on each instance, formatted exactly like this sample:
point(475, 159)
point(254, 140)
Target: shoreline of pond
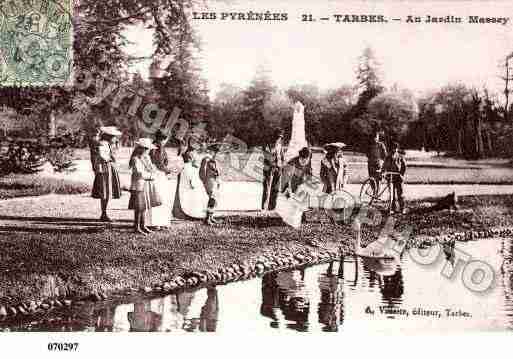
point(69, 268)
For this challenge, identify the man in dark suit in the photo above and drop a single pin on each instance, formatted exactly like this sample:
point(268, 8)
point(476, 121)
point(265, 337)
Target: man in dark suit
point(274, 159)
point(375, 158)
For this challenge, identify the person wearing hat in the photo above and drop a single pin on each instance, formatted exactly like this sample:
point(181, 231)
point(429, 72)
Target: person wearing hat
point(190, 196)
point(274, 159)
point(395, 163)
point(297, 172)
point(333, 171)
point(376, 155)
point(160, 216)
point(209, 174)
point(106, 184)
point(193, 144)
point(143, 173)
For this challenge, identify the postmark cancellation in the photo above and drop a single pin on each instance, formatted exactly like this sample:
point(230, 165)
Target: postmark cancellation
point(35, 42)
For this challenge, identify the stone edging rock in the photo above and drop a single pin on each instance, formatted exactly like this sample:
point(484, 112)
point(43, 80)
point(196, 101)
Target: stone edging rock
point(188, 280)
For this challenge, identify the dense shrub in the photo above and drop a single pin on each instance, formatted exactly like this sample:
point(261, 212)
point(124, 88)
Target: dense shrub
point(61, 159)
point(26, 156)
point(22, 157)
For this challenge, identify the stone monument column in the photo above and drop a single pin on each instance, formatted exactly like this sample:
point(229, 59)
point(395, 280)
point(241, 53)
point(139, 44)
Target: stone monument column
point(298, 137)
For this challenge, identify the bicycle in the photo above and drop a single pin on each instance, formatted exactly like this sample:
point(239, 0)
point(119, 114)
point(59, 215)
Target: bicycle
point(378, 193)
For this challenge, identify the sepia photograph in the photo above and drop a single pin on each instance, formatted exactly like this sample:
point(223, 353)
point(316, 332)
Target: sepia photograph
point(259, 167)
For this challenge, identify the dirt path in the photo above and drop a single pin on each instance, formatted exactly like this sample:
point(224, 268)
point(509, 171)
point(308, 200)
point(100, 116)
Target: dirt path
point(47, 211)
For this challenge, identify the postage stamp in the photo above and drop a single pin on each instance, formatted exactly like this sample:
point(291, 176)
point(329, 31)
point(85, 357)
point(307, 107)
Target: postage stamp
point(35, 42)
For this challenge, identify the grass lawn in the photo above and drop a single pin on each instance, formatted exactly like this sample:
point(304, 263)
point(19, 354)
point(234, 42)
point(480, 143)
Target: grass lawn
point(12, 186)
point(71, 262)
point(431, 170)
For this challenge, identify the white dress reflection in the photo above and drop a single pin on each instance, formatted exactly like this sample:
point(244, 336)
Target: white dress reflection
point(331, 306)
point(120, 321)
point(173, 313)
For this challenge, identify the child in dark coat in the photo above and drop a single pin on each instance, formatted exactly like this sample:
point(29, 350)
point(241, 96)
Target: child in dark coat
point(395, 163)
point(209, 174)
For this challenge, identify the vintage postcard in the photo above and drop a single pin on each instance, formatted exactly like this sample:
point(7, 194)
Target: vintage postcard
point(262, 167)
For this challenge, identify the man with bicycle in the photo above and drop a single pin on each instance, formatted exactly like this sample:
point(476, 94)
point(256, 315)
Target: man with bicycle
point(375, 159)
point(396, 164)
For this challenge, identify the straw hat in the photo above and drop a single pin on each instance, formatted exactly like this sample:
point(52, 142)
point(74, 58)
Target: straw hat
point(146, 143)
point(110, 130)
point(334, 145)
point(216, 146)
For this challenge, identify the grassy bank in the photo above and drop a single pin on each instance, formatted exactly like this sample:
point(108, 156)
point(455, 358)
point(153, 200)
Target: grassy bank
point(73, 263)
point(14, 185)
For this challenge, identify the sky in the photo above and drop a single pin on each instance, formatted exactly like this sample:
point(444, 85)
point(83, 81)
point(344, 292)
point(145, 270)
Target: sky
point(415, 56)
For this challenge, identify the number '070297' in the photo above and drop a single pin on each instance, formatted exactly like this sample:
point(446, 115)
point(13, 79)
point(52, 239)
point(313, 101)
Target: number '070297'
point(60, 347)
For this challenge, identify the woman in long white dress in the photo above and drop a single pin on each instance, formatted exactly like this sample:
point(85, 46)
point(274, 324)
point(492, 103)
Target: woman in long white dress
point(160, 217)
point(191, 197)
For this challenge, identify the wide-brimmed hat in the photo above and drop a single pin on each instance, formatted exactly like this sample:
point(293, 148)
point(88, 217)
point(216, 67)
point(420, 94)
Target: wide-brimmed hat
point(194, 142)
point(110, 130)
point(334, 146)
point(145, 142)
point(216, 146)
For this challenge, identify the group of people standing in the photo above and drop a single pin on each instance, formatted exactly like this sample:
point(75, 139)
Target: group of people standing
point(155, 203)
point(379, 161)
point(151, 195)
point(285, 177)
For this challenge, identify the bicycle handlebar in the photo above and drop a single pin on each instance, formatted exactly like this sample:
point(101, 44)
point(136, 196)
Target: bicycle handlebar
point(388, 172)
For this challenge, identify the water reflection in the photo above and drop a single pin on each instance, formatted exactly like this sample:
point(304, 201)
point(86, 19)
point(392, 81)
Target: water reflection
point(329, 297)
point(287, 298)
point(166, 314)
point(331, 307)
point(284, 295)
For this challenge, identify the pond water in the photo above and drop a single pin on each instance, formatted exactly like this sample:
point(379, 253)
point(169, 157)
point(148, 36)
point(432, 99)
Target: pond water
point(337, 296)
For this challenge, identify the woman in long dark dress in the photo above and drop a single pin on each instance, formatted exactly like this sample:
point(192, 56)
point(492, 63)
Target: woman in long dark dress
point(106, 184)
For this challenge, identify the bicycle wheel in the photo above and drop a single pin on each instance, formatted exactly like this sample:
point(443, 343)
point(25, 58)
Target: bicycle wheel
point(368, 192)
point(386, 197)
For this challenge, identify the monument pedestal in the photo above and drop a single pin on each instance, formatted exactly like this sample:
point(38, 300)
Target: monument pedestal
point(298, 137)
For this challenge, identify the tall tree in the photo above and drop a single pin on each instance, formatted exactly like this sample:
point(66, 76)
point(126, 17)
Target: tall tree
point(255, 127)
point(394, 111)
point(369, 80)
point(177, 49)
point(507, 78)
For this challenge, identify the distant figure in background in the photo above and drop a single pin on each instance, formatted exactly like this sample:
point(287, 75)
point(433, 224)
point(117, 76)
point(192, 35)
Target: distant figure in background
point(375, 158)
point(93, 147)
point(395, 163)
point(209, 174)
point(333, 172)
point(274, 158)
point(140, 188)
point(106, 184)
point(160, 216)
